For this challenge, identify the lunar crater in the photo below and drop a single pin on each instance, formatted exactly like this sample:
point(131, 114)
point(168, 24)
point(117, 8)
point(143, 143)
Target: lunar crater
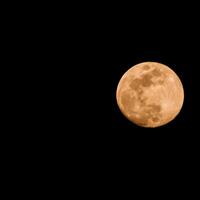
point(146, 67)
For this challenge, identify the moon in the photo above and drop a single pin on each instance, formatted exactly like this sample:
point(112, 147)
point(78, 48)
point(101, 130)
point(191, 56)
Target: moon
point(150, 94)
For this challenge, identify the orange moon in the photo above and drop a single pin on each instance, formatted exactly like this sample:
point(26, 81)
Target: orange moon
point(150, 94)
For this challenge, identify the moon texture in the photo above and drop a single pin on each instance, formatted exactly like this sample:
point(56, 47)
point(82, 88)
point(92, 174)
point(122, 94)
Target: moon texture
point(150, 94)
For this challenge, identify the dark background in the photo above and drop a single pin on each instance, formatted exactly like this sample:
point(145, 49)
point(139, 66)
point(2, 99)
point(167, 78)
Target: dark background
point(74, 62)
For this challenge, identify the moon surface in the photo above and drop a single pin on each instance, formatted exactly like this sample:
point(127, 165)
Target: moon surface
point(150, 94)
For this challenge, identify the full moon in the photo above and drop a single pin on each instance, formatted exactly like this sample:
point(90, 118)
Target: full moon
point(150, 94)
